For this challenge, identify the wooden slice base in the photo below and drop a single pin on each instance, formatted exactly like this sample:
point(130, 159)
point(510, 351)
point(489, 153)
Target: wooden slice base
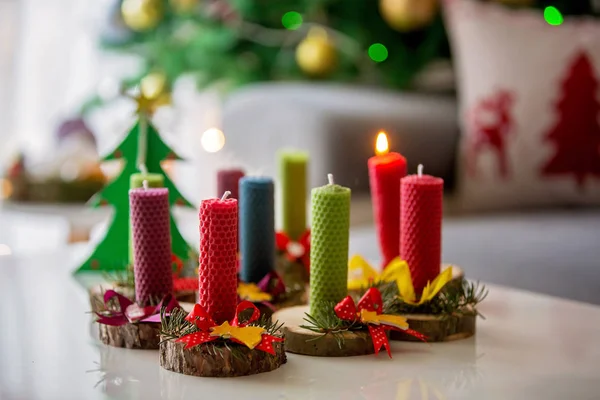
point(207, 362)
point(438, 329)
point(303, 341)
point(142, 335)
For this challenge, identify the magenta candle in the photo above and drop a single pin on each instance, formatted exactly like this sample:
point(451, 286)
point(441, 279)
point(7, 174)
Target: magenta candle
point(228, 181)
point(150, 221)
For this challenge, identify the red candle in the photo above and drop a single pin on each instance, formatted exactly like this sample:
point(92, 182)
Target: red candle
point(227, 181)
point(150, 223)
point(421, 226)
point(217, 271)
point(385, 171)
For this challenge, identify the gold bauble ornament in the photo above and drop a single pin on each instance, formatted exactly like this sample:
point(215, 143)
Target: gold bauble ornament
point(316, 54)
point(142, 15)
point(184, 6)
point(408, 15)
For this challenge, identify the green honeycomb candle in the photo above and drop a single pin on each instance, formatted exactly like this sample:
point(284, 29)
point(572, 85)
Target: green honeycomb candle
point(292, 170)
point(329, 245)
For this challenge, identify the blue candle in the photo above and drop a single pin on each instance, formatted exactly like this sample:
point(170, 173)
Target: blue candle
point(257, 227)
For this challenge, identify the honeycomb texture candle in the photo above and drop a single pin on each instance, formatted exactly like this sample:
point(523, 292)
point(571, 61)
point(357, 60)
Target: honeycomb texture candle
point(421, 227)
point(257, 228)
point(385, 172)
point(136, 181)
point(217, 270)
point(292, 177)
point(330, 206)
point(150, 222)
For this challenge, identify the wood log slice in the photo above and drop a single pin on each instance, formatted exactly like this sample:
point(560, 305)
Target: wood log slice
point(438, 328)
point(141, 335)
point(303, 341)
point(206, 361)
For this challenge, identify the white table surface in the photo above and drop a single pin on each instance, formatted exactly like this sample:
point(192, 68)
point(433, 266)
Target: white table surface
point(529, 347)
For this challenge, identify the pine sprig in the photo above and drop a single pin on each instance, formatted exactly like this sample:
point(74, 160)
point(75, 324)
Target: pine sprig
point(327, 322)
point(453, 300)
point(121, 278)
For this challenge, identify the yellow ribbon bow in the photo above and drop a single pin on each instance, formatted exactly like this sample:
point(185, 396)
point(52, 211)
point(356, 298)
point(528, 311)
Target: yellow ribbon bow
point(251, 292)
point(371, 317)
point(251, 336)
point(361, 275)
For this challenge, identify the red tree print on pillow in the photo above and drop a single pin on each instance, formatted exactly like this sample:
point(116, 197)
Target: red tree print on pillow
point(576, 135)
point(490, 122)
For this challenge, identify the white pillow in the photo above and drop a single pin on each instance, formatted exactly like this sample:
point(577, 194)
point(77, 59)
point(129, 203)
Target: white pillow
point(529, 104)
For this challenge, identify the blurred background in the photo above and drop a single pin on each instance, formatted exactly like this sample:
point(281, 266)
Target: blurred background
point(498, 97)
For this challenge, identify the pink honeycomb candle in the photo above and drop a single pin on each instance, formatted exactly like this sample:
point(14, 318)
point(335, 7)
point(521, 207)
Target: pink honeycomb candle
point(217, 272)
point(421, 226)
point(150, 221)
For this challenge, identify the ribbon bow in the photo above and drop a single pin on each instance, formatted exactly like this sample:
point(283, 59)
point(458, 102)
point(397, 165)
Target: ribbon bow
point(253, 337)
point(369, 312)
point(130, 312)
point(295, 251)
point(264, 292)
point(361, 275)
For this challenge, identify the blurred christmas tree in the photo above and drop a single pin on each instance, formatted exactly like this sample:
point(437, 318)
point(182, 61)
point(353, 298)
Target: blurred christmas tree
point(382, 42)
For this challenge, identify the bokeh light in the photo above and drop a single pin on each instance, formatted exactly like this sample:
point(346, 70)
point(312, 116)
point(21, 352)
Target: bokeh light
point(291, 20)
point(212, 140)
point(553, 16)
point(378, 52)
point(5, 250)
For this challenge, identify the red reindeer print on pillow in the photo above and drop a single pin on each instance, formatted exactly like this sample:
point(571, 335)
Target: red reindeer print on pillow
point(490, 122)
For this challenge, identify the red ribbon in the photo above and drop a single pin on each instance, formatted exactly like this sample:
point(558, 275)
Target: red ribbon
point(295, 251)
point(130, 312)
point(204, 323)
point(371, 301)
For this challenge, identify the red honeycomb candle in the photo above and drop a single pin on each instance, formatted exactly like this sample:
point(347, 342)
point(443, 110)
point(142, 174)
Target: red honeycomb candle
point(385, 172)
point(150, 222)
point(217, 272)
point(421, 226)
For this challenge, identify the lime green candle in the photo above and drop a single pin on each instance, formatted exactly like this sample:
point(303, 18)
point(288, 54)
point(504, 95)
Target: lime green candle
point(136, 181)
point(329, 245)
point(292, 176)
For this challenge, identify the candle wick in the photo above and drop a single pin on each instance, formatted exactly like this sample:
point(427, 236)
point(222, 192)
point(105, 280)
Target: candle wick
point(330, 179)
point(145, 184)
point(420, 170)
point(143, 169)
point(226, 195)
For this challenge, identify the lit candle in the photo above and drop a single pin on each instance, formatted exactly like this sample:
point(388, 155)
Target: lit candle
point(292, 174)
point(217, 269)
point(421, 226)
point(385, 171)
point(228, 181)
point(257, 228)
point(150, 222)
point(330, 205)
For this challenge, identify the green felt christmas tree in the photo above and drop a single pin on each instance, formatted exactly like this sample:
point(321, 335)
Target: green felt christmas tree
point(141, 149)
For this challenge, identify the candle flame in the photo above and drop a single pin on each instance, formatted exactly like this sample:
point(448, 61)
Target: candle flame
point(381, 144)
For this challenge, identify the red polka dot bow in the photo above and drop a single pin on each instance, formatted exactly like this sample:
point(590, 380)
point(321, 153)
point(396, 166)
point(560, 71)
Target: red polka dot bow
point(254, 337)
point(295, 251)
point(369, 312)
